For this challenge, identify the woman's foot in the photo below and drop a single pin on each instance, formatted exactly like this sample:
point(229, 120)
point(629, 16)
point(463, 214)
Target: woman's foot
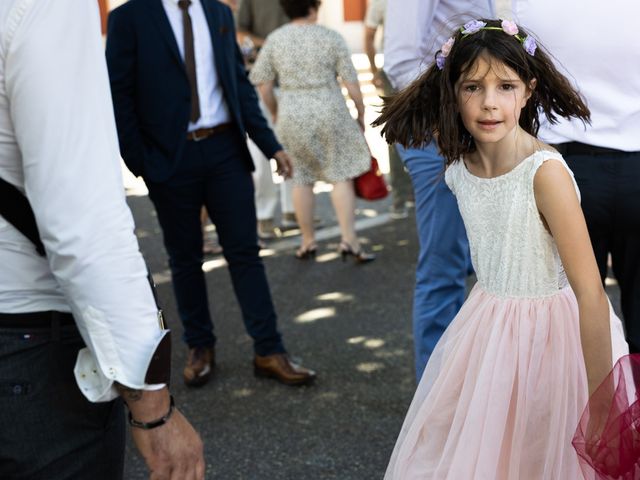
point(306, 252)
point(359, 256)
point(211, 250)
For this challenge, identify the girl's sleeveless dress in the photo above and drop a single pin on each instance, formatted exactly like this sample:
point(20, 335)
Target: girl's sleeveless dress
point(502, 394)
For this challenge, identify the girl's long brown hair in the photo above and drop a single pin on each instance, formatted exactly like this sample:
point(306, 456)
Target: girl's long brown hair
point(427, 108)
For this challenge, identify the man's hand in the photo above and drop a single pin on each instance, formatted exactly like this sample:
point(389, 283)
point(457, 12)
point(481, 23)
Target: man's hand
point(172, 451)
point(284, 164)
point(378, 80)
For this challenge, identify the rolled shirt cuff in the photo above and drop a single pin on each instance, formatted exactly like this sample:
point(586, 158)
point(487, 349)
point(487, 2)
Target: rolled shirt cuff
point(108, 359)
point(99, 386)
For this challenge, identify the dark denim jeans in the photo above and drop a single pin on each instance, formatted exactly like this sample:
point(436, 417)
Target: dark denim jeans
point(48, 429)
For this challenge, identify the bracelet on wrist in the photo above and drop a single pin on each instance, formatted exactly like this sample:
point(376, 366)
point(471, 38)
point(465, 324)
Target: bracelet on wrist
point(154, 423)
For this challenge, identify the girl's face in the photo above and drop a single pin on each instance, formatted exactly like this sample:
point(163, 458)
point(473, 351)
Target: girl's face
point(490, 98)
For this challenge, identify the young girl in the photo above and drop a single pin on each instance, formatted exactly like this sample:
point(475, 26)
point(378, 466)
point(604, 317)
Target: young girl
point(503, 391)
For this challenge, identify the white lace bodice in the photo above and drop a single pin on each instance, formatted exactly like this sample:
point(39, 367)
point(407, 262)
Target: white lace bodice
point(511, 250)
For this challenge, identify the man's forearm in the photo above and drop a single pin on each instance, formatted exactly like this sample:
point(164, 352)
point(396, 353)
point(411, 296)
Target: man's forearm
point(145, 405)
point(370, 48)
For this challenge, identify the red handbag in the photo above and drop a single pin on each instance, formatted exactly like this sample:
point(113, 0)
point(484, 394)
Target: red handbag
point(371, 185)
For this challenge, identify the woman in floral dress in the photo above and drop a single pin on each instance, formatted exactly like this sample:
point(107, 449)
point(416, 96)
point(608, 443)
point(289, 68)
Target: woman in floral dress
point(312, 119)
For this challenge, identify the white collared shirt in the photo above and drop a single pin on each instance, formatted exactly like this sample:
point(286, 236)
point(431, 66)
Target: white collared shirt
point(597, 47)
point(58, 145)
point(213, 108)
point(416, 29)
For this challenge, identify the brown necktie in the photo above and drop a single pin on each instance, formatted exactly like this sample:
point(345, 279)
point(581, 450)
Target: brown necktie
point(190, 59)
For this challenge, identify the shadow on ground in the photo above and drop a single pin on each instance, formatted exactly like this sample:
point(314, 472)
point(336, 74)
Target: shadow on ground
point(351, 323)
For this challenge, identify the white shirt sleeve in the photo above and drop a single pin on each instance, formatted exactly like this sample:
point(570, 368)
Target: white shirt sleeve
point(60, 106)
point(374, 17)
point(407, 25)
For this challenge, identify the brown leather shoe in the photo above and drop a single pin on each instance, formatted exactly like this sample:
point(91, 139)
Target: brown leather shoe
point(282, 368)
point(199, 366)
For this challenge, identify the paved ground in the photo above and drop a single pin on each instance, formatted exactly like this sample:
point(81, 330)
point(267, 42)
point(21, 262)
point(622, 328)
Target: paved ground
point(351, 323)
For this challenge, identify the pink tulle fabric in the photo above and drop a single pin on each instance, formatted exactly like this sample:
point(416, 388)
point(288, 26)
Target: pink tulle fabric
point(502, 394)
point(608, 435)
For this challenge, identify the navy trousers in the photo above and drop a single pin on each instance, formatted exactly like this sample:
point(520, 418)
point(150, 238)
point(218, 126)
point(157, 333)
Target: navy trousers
point(48, 429)
point(212, 174)
point(609, 183)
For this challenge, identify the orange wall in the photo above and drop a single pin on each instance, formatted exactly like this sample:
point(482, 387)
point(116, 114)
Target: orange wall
point(354, 10)
point(103, 14)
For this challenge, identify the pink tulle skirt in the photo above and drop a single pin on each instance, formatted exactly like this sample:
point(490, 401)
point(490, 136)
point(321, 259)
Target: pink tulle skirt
point(502, 394)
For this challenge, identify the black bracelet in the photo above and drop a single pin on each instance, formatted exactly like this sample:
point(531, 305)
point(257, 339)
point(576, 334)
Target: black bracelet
point(155, 423)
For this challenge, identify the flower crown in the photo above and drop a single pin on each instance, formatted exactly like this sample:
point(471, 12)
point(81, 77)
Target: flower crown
point(474, 26)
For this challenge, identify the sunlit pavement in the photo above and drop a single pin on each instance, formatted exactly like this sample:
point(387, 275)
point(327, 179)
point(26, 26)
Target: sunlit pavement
point(349, 322)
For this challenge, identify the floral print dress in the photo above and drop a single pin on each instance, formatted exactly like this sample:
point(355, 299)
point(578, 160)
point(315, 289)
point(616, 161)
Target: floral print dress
point(314, 123)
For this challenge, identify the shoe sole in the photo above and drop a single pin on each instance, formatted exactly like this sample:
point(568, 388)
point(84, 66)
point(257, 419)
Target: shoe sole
point(199, 381)
point(292, 383)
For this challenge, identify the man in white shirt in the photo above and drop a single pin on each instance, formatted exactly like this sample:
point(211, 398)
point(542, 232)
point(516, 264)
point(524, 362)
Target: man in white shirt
point(599, 51)
point(414, 31)
point(400, 182)
point(183, 107)
point(84, 299)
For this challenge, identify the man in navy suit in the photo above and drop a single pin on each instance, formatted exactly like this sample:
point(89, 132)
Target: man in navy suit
point(183, 107)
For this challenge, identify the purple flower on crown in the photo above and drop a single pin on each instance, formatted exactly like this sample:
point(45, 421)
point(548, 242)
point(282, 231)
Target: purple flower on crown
point(444, 52)
point(530, 45)
point(509, 27)
point(447, 46)
point(473, 26)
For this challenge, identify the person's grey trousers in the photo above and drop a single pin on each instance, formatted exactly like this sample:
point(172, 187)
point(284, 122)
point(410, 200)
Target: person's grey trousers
point(48, 429)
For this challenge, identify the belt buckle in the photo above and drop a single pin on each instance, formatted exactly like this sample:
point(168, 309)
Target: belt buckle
point(195, 136)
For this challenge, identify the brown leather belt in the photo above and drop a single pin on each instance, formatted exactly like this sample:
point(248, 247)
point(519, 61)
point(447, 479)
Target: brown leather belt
point(202, 133)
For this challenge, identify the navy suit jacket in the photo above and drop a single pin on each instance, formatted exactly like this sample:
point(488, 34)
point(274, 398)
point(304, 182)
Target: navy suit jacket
point(150, 88)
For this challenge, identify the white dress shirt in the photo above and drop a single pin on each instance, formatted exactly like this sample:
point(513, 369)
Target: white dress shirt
point(598, 47)
point(416, 29)
point(58, 145)
point(213, 108)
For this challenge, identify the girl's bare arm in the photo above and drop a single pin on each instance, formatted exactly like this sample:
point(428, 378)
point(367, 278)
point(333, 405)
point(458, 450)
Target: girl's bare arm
point(560, 208)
